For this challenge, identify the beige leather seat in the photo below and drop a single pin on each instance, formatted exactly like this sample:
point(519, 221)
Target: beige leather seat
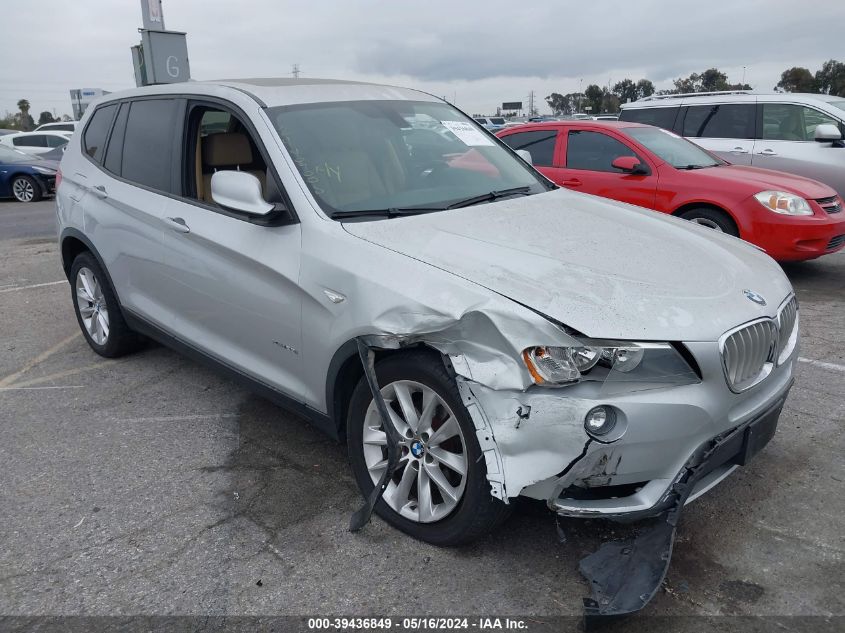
point(226, 150)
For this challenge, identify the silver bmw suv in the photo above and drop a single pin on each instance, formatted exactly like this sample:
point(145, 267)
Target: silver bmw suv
point(373, 259)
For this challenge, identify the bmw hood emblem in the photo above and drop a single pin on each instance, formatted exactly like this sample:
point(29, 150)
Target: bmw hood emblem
point(753, 296)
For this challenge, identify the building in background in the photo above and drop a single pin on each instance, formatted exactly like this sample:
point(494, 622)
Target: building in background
point(81, 98)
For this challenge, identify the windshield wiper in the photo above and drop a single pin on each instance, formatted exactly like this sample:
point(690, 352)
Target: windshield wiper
point(487, 197)
point(391, 212)
point(690, 167)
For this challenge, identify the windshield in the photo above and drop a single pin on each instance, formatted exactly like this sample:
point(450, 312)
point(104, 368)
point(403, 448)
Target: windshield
point(16, 156)
point(497, 120)
point(676, 151)
point(357, 156)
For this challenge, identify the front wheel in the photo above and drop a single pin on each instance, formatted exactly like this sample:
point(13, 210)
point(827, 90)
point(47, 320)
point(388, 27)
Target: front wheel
point(439, 492)
point(712, 219)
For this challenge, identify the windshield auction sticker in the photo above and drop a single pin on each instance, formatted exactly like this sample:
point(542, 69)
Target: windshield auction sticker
point(466, 132)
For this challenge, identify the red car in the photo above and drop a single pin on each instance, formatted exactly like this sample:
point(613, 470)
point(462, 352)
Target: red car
point(790, 217)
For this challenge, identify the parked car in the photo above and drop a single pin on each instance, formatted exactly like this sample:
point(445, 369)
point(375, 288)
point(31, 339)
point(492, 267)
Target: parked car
point(426, 295)
point(605, 117)
point(492, 123)
point(25, 177)
point(58, 126)
point(797, 133)
point(35, 142)
point(790, 217)
point(4, 131)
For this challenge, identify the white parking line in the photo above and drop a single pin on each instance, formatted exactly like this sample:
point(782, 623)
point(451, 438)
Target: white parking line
point(39, 388)
point(49, 283)
point(823, 365)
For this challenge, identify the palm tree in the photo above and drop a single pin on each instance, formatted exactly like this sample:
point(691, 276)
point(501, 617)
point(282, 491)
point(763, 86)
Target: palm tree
point(23, 106)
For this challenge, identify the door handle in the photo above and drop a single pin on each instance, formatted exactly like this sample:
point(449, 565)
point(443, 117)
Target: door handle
point(572, 182)
point(100, 191)
point(768, 152)
point(177, 224)
point(739, 150)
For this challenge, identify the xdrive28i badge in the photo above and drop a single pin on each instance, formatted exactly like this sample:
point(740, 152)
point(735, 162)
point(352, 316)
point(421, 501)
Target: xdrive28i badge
point(753, 296)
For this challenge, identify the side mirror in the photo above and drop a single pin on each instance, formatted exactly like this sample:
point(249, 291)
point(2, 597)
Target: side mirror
point(525, 155)
point(630, 165)
point(826, 133)
point(239, 191)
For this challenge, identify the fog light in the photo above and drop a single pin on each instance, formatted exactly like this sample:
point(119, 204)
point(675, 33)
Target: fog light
point(600, 420)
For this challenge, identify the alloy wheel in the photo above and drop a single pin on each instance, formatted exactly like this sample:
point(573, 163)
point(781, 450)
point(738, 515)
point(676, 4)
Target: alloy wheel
point(430, 479)
point(23, 190)
point(91, 304)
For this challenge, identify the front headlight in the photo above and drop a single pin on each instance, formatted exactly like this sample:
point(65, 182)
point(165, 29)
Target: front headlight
point(44, 170)
point(784, 203)
point(649, 364)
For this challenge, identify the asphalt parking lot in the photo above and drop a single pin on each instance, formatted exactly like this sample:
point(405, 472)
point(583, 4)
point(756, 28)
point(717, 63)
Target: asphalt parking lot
point(149, 485)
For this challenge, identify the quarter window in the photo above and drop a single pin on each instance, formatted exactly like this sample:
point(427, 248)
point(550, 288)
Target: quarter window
point(56, 141)
point(731, 120)
point(594, 151)
point(148, 143)
point(540, 143)
point(785, 122)
point(97, 131)
point(660, 117)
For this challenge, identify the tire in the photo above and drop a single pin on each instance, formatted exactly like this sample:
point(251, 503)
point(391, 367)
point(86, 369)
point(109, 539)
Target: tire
point(26, 189)
point(452, 521)
point(97, 310)
point(712, 219)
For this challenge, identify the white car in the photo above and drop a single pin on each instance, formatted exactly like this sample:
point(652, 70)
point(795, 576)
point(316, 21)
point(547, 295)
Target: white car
point(58, 126)
point(792, 132)
point(35, 142)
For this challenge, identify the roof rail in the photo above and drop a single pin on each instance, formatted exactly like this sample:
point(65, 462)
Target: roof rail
point(697, 94)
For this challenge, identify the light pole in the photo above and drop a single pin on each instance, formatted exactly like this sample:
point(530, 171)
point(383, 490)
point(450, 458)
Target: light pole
point(580, 92)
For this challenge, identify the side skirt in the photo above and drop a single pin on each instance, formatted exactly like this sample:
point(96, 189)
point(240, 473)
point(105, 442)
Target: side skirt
point(320, 420)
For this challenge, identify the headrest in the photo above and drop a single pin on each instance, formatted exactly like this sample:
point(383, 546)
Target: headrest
point(226, 148)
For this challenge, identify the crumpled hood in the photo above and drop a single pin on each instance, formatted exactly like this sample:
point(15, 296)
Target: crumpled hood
point(607, 269)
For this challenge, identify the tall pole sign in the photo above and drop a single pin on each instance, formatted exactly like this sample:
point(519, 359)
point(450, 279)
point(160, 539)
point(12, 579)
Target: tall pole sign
point(162, 55)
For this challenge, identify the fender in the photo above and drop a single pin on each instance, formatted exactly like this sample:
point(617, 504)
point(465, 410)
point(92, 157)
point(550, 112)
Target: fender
point(79, 235)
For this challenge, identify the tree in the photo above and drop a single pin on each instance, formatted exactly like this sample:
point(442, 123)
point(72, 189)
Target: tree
point(45, 117)
point(625, 90)
point(644, 88)
point(594, 95)
point(711, 80)
point(26, 121)
point(609, 101)
point(796, 79)
point(560, 104)
point(831, 78)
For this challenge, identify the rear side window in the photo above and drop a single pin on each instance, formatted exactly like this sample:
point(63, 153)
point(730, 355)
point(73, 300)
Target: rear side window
point(148, 143)
point(730, 120)
point(594, 151)
point(56, 141)
point(31, 140)
point(660, 117)
point(540, 143)
point(97, 132)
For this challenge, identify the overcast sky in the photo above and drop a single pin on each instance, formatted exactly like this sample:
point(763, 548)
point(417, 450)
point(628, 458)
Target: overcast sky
point(478, 53)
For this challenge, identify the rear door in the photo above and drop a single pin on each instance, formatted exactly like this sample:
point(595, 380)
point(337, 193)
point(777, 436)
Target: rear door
point(543, 146)
point(787, 143)
point(128, 186)
point(727, 129)
point(588, 157)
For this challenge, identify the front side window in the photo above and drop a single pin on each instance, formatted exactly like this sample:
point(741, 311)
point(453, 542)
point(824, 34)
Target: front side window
point(730, 120)
point(659, 117)
point(381, 156)
point(148, 143)
point(786, 122)
point(540, 143)
point(677, 151)
point(594, 151)
point(97, 131)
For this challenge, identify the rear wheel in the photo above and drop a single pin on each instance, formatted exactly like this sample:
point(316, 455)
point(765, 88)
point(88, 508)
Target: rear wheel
point(98, 311)
point(712, 219)
point(26, 189)
point(439, 492)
